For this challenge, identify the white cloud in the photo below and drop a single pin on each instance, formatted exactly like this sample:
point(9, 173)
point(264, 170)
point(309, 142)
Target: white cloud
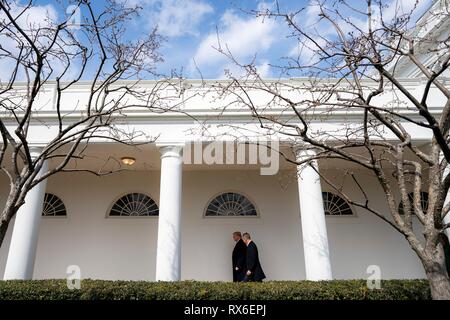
point(307, 51)
point(400, 7)
point(178, 17)
point(174, 17)
point(263, 69)
point(322, 30)
point(33, 18)
point(390, 10)
point(312, 14)
point(244, 36)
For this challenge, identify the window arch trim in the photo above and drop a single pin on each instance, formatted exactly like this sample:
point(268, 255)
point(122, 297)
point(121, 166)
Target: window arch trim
point(117, 198)
point(243, 194)
point(58, 198)
point(349, 206)
point(423, 201)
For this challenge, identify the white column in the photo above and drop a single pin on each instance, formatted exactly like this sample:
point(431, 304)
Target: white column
point(314, 230)
point(22, 249)
point(168, 256)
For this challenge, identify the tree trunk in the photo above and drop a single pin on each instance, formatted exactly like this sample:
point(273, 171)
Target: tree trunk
point(437, 275)
point(4, 223)
point(5, 219)
point(439, 285)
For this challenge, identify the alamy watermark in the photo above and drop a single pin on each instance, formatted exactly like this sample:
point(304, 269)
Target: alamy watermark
point(73, 13)
point(261, 152)
point(374, 278)
point(73, 277)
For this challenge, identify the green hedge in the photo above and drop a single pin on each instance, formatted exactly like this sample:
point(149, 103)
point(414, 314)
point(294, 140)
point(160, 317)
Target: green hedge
point(194, 290)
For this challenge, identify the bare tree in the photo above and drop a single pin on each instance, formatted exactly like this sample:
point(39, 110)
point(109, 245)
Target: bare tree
point(349, 58)
point(90, 42)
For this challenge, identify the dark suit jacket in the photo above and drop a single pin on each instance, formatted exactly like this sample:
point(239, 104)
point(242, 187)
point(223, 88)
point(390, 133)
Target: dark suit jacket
point(239, 260)
point(253, 263)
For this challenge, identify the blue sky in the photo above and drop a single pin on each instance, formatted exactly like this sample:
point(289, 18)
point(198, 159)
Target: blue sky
point(191, 26)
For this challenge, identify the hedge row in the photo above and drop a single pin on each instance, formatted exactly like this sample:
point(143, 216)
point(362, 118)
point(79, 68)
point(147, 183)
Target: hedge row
point(193, 290)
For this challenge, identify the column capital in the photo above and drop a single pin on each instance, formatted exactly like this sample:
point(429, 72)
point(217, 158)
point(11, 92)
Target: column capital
point(35, 151)
point(170, 149)
point(303, 151)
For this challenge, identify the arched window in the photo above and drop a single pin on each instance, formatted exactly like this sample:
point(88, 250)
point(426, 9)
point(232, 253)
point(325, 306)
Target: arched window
point(334, 205)
point(53, 206)
point(134, 204)
point(230, 204)
point(423, 202)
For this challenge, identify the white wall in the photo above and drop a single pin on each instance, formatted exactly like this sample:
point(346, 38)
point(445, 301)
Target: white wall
point(363, 240)
point(125, 248)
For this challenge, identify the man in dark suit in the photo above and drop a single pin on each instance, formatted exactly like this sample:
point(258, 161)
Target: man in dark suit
point(239, 258)
point(254, 270)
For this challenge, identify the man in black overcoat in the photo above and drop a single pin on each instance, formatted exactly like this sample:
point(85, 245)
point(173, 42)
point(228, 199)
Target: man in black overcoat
point(239, 258)
point(254, 270)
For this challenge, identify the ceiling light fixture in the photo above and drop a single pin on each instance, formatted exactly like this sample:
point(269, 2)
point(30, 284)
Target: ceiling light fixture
point(128, 161)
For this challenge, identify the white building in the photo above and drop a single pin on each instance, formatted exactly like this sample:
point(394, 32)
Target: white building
point(186, 241)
